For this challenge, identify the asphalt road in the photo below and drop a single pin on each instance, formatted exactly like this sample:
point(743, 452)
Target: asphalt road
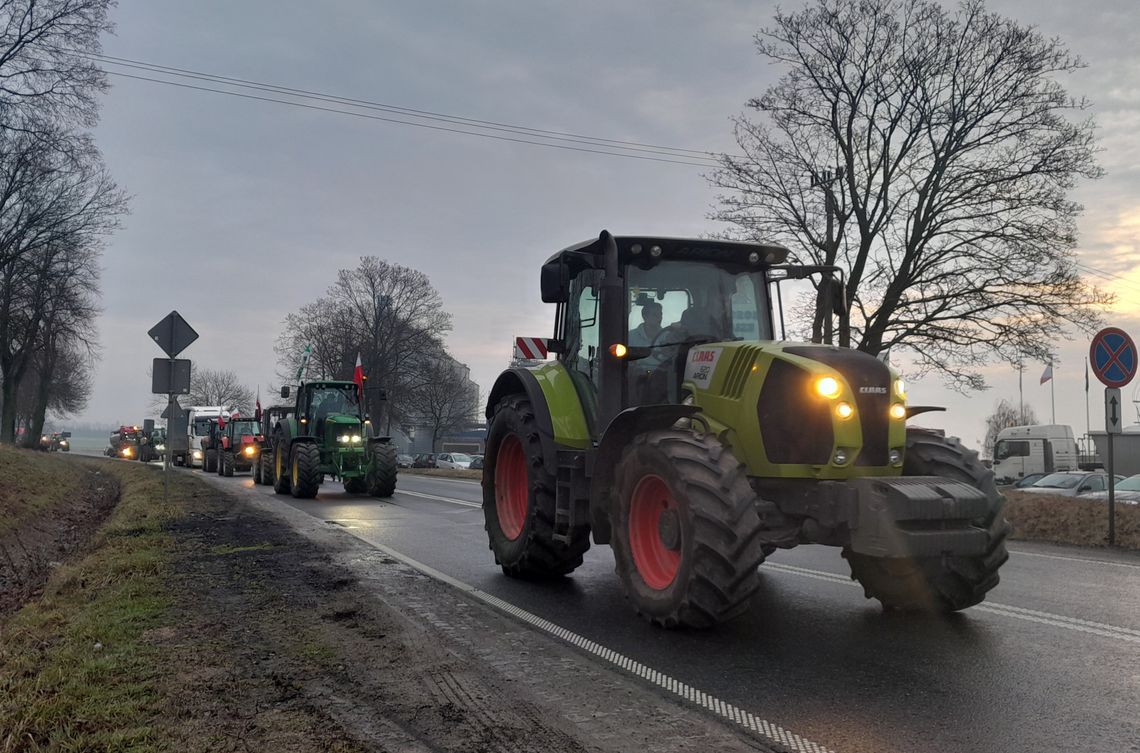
point(1050, 663)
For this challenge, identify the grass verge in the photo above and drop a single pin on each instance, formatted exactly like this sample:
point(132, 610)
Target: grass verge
point(1068, 520)
point(75, 671)
point(31, 483)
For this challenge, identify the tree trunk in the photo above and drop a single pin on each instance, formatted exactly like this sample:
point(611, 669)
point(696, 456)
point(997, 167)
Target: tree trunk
point(8, 412)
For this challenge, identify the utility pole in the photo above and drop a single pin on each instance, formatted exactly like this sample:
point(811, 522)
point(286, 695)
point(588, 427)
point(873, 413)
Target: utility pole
point(824, 180)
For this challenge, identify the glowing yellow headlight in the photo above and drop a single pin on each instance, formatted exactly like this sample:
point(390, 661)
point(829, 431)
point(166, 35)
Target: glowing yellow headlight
point(355, 439)
point(126, 452)
point(827, 387)
point(844, 410)
point(900, 388)
point(898, 411)
point(249, 451)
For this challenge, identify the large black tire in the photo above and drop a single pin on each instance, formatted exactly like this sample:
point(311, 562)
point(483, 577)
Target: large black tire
point(279, 470)
point(518, 499)
point(381, 479)
point(304, 476)
point(355, 485)
point(210, 461)
point(255, 470)
point(227, 463)
point(695, 566)
point(939, 584)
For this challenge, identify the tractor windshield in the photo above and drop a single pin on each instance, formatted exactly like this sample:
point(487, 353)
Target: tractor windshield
point(679, 301)
point(245, 427)
point(327, 400)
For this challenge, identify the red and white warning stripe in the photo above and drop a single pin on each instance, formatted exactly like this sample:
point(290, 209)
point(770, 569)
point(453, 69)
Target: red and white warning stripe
point(530, 348)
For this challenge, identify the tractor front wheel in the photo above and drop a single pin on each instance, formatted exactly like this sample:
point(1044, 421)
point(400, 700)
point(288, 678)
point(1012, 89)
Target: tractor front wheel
point(227, 468)
point(381, 477)
point(939, 584)
point(686, 534)
point(518, 498)
point(355, 485)
point(305, 475)
point(210, 462)
point(280, 469)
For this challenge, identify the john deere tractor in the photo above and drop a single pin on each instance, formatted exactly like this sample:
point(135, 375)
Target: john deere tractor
point(327, 433)
point(675, 427)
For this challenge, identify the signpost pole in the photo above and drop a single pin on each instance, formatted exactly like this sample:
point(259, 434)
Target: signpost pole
point(1111, 496)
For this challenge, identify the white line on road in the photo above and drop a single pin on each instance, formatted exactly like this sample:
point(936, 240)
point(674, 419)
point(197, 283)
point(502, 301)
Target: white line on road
point(1006, 610)
point(768, 730)
point(1020, 552)
point(437, 498)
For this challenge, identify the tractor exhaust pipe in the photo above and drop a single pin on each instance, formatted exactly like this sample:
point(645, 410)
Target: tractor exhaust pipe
point(611, 305)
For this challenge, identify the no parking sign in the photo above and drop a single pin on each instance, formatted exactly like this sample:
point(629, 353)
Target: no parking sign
point(1113, 357)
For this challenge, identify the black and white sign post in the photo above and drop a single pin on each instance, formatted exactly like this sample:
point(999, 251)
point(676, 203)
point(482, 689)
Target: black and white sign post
point(1113, 358)
point(171, 376)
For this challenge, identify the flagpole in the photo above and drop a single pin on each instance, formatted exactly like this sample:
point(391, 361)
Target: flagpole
point(1052, 393)
point(1020, 398)
point(1088, 423)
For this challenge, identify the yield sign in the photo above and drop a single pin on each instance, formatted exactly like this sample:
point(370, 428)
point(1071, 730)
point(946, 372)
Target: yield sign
point(1113, 357)
point(173, 334)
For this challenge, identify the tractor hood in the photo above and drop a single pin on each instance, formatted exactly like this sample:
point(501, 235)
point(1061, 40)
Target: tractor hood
point(340, 429)
point(801, 409)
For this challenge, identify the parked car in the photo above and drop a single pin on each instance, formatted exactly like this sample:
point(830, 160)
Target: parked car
point(424, 460)
point(404, 461)
point(1070, 483)
point(453, 460)
point(1028, 479)
point(476, 463)
point(1126, 491)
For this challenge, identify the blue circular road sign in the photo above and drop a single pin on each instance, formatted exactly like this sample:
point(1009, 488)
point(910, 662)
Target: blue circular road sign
point(1113, 357)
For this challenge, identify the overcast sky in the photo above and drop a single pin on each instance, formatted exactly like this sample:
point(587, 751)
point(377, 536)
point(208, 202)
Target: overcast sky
point(244, 210)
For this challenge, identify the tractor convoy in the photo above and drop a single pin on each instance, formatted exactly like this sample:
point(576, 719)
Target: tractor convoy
point(675, 426)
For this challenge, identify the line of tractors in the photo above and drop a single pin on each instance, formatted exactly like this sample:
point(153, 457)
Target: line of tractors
point(678, 424)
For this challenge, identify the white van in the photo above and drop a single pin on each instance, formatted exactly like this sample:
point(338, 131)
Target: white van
point(1045, 448)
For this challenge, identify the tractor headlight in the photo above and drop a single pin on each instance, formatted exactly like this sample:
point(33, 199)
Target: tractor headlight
point(197, 454)
point(844, 411)
point(343, 439)
point(126, 452)
point(160, 447)
point(249, 451)
point(900, 388)
point(63, 443)
point(827, 387)
point(355, 439)
point(898, 411)
point(896, 456)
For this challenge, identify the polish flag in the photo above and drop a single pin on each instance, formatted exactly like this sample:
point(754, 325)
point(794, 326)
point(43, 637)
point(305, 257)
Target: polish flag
point(358, 376)
point(1047, 374)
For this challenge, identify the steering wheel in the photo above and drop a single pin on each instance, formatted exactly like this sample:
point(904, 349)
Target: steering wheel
point(665, 345)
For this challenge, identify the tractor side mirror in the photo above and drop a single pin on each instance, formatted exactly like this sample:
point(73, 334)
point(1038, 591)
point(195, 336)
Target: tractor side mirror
point(285, 391)
point(554, 283)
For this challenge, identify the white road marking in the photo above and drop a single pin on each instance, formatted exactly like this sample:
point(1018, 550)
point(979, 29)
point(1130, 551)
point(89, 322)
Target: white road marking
point(727, 711)
point(1020, 552)
point(1006, 610)
point(437, 498)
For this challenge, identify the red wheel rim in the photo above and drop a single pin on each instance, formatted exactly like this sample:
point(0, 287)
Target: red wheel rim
point(512, 488)
point(656, 563)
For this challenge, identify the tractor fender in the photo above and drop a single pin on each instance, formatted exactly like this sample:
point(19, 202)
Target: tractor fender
point(520, 381)
point(621, 431)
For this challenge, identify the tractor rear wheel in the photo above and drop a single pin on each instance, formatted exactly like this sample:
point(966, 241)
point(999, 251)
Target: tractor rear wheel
point(280, 469)
point(355, 485)
point(210, 462)
point(227, 468)
point(518, 498)
point(304, 466)
point(939, 584)
point(686, 534)
point(381, 478)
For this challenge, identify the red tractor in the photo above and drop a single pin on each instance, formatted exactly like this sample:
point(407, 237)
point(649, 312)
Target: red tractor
point(238, 445)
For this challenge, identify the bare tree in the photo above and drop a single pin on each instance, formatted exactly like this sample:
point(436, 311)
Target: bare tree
point(446, 399)
point(47, 69)
point(1005, 415)
point(218, 387)
point(930, 154)
point(389, 314)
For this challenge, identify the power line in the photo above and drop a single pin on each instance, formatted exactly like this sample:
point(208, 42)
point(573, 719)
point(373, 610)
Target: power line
point(405, 122)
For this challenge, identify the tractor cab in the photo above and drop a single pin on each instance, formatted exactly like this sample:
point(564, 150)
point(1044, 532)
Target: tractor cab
point(330, 410)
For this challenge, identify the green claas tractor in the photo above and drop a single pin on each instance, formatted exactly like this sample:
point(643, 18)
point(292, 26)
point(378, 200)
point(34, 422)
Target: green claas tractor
point(327, 433)
point(675, 427)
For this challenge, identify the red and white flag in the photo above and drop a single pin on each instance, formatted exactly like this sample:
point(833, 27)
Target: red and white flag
point(257, 405)
point(1047, 374)
point(358, 376)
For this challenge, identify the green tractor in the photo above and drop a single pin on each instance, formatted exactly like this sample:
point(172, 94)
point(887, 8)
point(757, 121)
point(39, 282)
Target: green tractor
point(675, 427)
point(327, 433)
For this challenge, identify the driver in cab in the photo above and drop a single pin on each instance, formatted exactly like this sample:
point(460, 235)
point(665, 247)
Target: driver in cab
point(643, 335)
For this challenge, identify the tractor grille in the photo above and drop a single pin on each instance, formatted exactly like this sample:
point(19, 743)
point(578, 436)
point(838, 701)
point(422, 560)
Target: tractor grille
point(794, 424)
point(739, 370)
point(862, 372)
